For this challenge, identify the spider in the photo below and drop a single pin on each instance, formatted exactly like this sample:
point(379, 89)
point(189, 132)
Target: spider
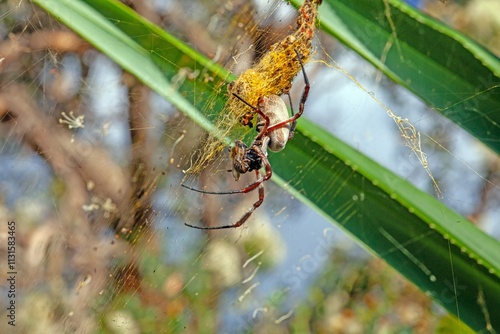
point(275, 128)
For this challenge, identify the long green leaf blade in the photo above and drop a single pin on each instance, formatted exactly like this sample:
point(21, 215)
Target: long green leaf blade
point(449, 71)
point(437, 249)
point(105, 36)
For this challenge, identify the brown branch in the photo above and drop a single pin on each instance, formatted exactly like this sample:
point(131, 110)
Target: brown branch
point(137, 212)
point(76, 162)
point(58, 41)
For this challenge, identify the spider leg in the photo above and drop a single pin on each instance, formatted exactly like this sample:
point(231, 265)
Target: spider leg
point(243, 219)
point(293, 125)
point(248, 188)
point(301, 105)
point(245, 190)
point(291, 104)
point(258, 111)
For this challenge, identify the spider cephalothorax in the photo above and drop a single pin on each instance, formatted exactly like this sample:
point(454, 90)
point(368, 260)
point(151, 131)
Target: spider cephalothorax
point(247, 159)
point(275, 128)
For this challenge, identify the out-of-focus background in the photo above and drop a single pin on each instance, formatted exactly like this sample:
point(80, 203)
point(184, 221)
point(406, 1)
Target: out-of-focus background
point(86, 152)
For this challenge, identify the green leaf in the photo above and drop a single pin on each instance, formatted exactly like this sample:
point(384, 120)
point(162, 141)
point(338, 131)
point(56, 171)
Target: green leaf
point(437, 249)
point(148, 65)
point(447, 70)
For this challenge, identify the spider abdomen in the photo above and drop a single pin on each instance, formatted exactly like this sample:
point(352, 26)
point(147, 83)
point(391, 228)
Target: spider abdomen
point(274, 108)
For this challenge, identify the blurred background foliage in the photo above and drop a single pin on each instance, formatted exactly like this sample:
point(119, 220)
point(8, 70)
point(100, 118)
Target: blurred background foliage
point(87, 271)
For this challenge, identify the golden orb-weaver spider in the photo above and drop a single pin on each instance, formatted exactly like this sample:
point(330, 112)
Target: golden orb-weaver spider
point(275, 128)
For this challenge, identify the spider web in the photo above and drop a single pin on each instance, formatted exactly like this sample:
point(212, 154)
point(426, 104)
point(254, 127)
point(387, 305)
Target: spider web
point(87, 151)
